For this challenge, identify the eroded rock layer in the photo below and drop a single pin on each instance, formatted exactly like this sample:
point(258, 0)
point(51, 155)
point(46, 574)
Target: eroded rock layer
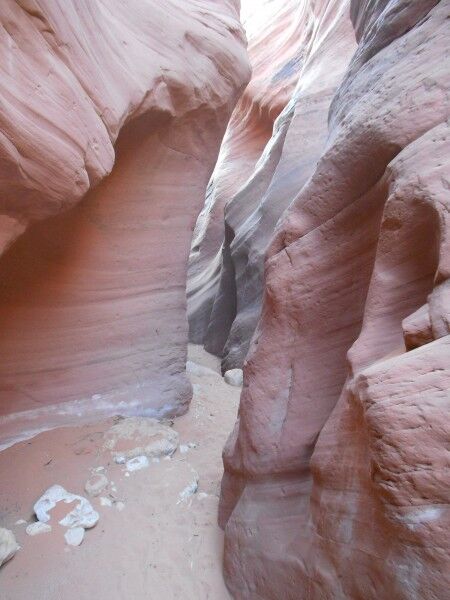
point(275, 34)
point(300, 133)
point(337, 472)
point(92, 301)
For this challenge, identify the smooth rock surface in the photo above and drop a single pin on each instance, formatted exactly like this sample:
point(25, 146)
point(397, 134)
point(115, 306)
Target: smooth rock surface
point(111, 117)
point(322, 47)
point(74, 536)
point(337, 478)
point(234, 377)
point(274, 31)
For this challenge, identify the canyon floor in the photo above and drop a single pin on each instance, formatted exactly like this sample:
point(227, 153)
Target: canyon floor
point(151, 542)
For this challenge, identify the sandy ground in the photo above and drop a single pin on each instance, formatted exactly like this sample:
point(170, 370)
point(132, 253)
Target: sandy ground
point(156, 547)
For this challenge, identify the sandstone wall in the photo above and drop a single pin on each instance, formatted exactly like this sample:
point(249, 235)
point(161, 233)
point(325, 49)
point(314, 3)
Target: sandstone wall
point(275, 36)
point(111, 117)
point(337, 472)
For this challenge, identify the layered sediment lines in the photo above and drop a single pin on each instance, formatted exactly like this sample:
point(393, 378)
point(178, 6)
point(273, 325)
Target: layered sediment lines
point(110, 125)
point(275, 36)
point(226, 298)
point(337, 472)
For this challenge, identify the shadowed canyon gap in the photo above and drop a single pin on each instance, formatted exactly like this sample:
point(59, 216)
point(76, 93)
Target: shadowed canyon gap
point(319, 263)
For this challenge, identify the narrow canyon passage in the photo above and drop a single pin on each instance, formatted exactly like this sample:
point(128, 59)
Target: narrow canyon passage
point(224, 300)
point(157, 535)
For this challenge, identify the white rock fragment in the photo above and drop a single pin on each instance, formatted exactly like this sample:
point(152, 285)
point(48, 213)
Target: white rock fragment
point(137, 463)
point(21, 522)
point(38, 528)
point(189, 490)
point(8, 545)
point(120, 506)
point(127, 474)
point(183, 448)
point(74, 536)
point(99, 469)
point(83, 515)
point(120, 459)
point(234, 377)
point(104, 501)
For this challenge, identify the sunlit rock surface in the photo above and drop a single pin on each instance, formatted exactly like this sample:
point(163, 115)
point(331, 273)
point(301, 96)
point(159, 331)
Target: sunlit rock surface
point(122, 105)
point(337, 472)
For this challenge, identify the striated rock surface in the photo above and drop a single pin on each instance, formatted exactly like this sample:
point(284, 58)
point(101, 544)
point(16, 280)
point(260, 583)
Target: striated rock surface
point(275, 35)
point(337, 472)
point(324, 44)
point(123, 106)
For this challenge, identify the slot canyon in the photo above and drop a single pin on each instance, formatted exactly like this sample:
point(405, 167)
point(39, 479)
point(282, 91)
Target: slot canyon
point(224, 299)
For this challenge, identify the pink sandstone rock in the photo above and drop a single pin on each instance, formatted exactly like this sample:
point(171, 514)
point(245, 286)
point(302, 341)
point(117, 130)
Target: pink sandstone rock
point(121, 105)
point(337, 472)
point(275, 37)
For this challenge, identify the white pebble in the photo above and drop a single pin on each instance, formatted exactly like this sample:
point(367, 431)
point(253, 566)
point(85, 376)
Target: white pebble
point(137, 463)
point(74, 536)
point(38, 528)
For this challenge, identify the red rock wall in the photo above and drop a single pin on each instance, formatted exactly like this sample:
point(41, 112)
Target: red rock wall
point(337, 472)
point(92, 303)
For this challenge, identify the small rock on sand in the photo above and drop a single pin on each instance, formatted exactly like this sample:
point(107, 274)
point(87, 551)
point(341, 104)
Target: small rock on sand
point(74, 536)
point(140, 436)
point(137, 463)
point(8, 545)
point(234, 377)
point(38, 528)
point(96, 484)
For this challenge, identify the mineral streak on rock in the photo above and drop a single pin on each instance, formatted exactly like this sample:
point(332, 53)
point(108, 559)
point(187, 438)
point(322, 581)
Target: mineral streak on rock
point(336, 478)
point(121, 105)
